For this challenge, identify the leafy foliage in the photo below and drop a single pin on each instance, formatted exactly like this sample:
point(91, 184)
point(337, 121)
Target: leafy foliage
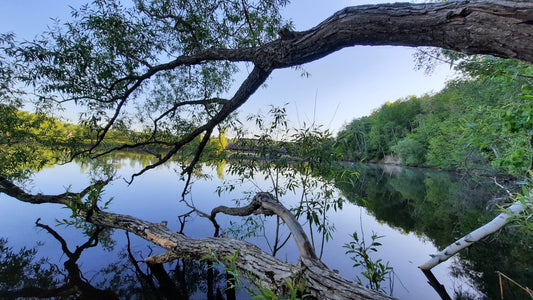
point(373, 270)
point(475, 123)
point(29, 142)
point(411, 151)
point(291, 161)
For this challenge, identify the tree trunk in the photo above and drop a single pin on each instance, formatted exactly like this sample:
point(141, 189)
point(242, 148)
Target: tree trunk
point(261, 268)
point(476, 235)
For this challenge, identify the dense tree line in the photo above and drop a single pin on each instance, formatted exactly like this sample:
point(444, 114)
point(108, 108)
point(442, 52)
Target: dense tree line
point(480, 122)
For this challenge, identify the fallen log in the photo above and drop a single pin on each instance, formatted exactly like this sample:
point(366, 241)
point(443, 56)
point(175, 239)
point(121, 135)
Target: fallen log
point(259, 267)
point(476, 235)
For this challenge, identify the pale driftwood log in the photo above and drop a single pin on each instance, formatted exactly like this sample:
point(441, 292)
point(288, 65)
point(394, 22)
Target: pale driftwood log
point(476, 235)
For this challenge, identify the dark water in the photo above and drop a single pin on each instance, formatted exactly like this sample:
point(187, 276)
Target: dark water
point(416, 211)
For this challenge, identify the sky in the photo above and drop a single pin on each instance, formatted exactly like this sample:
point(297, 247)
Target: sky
point(348, 84)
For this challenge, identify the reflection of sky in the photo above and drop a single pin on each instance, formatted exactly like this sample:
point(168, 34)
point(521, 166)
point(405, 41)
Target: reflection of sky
point(154, 197)
point(348, 84)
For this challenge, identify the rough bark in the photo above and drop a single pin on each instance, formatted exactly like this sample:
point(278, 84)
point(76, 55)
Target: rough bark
point(258, 266)
point(501, 28)
point(475, 235)
point(264, 203)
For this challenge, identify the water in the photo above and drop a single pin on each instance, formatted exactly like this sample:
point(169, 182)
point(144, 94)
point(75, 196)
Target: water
point(416, 211)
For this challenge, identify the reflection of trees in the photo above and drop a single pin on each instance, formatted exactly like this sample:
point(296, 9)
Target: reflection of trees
point(32, 283)
point(24, 275)
point(179, 280)
point(443, 206)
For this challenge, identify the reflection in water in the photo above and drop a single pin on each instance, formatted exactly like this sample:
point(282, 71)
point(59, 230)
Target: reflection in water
point(434, 282)
point(443, 207)
point(24, 275)
point(35, 281)
point(435, 206)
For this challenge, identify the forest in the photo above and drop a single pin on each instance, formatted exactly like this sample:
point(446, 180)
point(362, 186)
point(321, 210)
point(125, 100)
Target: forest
point(479, 123)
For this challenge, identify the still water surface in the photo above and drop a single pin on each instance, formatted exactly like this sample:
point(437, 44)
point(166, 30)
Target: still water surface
point(416, 211)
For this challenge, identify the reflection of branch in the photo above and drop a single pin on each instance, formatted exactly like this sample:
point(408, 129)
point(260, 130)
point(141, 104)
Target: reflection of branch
point(75, 284)
point(183, 219)
point(260, 267)
point(434, 282)
point(145, 280)
point(91, 242)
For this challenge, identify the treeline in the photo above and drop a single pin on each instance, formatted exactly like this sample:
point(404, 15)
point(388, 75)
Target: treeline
point(482, 122)
point(32, 141)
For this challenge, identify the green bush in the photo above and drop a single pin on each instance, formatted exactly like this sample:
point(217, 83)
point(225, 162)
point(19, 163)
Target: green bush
point(410, 151)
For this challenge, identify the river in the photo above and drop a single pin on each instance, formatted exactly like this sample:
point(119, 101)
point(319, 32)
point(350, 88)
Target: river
point(416, 211)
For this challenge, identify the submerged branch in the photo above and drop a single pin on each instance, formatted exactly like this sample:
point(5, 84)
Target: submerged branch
point(477, 234)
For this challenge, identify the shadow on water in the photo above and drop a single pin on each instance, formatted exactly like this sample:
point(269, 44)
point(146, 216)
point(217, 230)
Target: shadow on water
point(442, 207)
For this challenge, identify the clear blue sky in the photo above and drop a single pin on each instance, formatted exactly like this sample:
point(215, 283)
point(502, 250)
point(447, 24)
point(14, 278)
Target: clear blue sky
point(345, 85)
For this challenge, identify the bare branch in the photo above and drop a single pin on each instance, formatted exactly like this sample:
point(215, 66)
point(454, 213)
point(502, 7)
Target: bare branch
point(183, 103)
point(254, 80)
point(477, 234)
point(7, 187)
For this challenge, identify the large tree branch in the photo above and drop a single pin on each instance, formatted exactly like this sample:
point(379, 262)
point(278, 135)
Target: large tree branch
point(501, 28)
point(7, 187)
point(258, 266)
point(254, 80)
point(476, 235)
point(265, 203)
